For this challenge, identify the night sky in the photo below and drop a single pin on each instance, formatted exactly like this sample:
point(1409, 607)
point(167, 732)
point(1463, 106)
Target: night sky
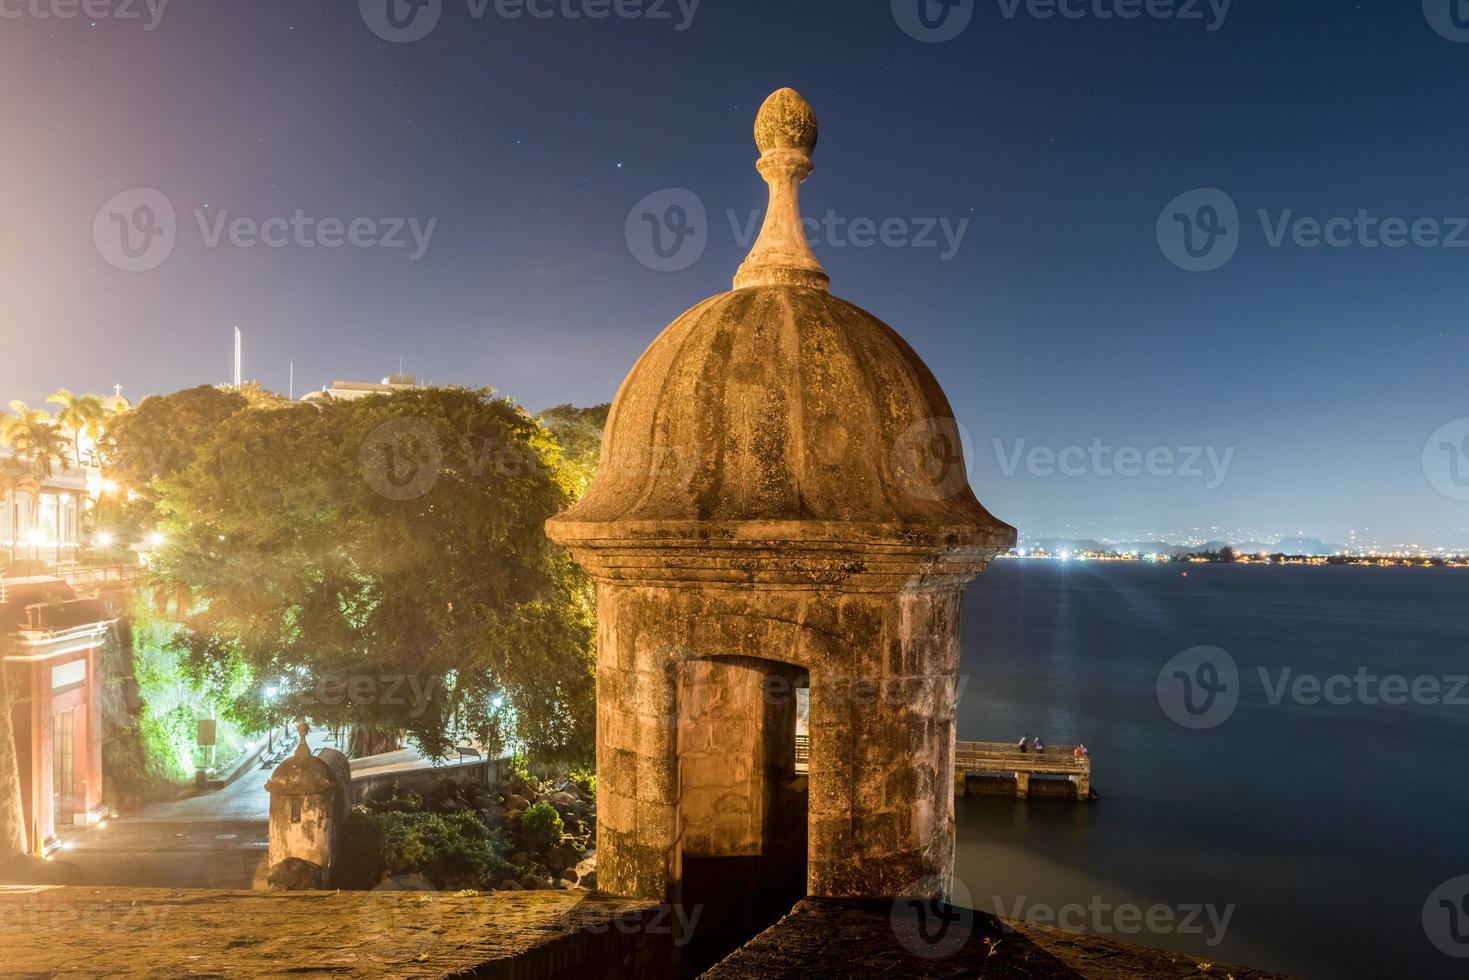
point(1058, 320)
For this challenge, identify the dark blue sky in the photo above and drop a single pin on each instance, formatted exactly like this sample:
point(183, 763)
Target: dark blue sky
point(1059, 320)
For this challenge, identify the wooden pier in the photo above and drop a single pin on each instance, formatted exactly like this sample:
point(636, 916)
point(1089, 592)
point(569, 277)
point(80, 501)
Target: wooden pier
point(1004, 759)
point(1007, 759)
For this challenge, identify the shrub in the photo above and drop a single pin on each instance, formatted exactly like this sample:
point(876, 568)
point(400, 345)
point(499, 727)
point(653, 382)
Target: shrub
point(453, 850)
point(541, 824)
point(586, 778)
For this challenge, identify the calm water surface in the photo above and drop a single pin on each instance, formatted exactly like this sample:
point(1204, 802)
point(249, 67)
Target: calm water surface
point(1326, 827)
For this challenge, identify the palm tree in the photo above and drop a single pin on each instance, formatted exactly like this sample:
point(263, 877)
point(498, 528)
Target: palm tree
point(81, 415)
point(34, 436)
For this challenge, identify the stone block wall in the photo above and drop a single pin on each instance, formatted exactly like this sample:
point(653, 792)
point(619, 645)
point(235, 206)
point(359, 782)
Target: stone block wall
point(883, 673)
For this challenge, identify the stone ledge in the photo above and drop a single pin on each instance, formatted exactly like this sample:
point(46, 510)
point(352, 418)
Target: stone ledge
point(828, 939)
point(145, 932)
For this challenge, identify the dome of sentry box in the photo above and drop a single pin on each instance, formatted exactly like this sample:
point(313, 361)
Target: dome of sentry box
point(778, 412)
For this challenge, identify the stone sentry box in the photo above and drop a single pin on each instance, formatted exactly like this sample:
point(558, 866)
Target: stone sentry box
point(781, 499)
point(309, 799)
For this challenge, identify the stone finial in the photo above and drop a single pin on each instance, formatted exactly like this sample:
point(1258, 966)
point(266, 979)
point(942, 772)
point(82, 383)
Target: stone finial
point(786, 122)
point(786, 134)
point(302, 728)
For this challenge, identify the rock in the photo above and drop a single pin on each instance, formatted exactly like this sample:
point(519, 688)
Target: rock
point(562, 799)
point(406, 883)
point(516, 802)
point(296, 875)
point(511, 885)
point(519, 858)
point(589, 880)
point(561, 856)
point(567, 875)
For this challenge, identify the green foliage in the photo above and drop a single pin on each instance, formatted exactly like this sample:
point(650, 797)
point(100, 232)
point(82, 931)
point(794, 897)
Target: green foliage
point(35, 437)
point(148, 755)
point(585, 776)
point(541, 824)
point(578, 432)
point(309, 567)
point(153, 441)
point(453, 850)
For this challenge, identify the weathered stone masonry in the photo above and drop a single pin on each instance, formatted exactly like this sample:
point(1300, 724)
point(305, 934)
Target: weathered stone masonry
point(781, 497)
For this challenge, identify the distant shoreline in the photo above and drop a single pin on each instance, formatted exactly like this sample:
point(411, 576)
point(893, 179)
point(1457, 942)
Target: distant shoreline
point(1314, 561)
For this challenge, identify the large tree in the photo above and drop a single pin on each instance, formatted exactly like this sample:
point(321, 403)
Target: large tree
point(382, 563)
point(579, 433)
point(152, 442)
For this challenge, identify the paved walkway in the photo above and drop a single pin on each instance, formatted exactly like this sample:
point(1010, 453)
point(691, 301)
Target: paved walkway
point(213, 839)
